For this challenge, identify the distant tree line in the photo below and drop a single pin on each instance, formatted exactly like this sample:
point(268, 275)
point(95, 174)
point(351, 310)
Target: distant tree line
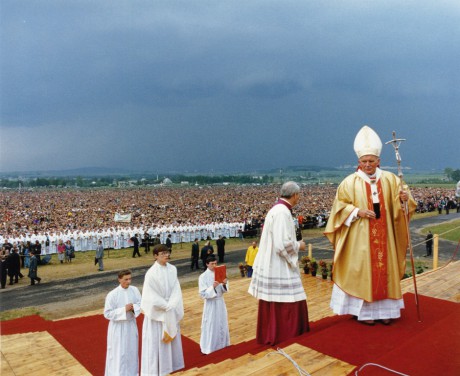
point(110, 181)
point(452, 174)
point(220, 179)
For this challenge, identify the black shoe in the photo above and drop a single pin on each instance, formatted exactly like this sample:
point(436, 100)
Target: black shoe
point(10, 283)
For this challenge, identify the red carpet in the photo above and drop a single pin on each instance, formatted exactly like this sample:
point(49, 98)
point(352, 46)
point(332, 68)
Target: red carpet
point(431, 347)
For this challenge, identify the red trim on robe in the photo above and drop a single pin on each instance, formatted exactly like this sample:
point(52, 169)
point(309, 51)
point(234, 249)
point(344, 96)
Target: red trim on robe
point(378, 246)
point(277, 322)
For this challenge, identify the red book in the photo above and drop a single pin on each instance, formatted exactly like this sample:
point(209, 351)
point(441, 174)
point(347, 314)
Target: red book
point(220, 273)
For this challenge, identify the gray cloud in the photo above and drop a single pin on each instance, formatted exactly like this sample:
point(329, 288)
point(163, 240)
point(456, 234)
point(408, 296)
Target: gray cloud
point(192, 85)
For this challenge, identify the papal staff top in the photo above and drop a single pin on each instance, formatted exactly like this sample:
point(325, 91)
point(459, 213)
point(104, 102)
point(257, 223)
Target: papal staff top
point(396, 142)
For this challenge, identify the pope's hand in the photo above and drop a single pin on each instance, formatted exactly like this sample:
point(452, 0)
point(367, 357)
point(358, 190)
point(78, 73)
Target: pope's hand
point(403, 196)
point(366, 213)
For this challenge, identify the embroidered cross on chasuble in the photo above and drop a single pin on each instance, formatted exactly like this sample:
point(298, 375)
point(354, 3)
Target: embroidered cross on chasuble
point(378, 245)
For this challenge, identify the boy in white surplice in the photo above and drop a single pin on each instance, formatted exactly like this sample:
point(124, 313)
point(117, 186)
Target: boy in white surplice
point(122, 306)
point(214, 325)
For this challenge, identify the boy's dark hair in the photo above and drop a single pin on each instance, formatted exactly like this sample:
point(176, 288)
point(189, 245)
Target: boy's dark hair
point(160, 248)
point(210, 258)
point(124, 272)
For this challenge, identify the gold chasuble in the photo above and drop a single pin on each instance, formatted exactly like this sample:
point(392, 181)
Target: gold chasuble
point(370, 255)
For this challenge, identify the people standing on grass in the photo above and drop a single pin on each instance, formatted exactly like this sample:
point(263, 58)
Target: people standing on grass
point(251, 254)
point(100, 256)
point(3, 267)
point(429, 244)
point(135, 240)
point(14, 265)
point(122, 307)
point(21, 247)
point(169, 242)
point(205, 252)
point(33, 269)
point(69, 251)
point(195, 255)
point(37, 250)
point(61, 251)
point(26, 252)
point(220, 243)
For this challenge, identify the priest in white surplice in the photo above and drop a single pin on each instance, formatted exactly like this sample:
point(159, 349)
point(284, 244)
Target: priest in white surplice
point(276, 282)
point(214, 324)
point(163, 309)
point(122, 306)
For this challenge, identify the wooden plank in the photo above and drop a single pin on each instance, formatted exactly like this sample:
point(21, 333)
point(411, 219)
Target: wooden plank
point(56, 362)
point(5, 368)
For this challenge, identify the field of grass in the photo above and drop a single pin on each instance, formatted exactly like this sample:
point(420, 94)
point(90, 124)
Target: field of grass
point(449, 231)
point(83, 263)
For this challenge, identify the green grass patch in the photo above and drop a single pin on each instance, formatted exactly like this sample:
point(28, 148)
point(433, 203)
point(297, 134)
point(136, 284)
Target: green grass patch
point(424, 215)
point(449, 231)
point(420, 266)
point(18, 313)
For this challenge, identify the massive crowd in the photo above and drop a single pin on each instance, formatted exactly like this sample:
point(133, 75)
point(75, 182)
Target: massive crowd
point(84, 216)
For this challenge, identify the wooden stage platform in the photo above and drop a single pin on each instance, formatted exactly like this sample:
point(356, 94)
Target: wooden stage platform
point(19, 355)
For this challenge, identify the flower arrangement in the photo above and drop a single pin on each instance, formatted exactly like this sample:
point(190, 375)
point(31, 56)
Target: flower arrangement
point(305, 261)
point(305, 264)
point(323, 267)
point(313, 266)
point(242, 268)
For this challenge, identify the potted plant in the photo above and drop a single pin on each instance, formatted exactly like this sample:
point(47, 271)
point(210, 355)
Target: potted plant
point(323, 268)
point(305, 263)
point(242, 268)
point(313, 267)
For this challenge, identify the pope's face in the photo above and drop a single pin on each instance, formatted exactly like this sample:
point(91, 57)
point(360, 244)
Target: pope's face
point(125, 281)
point(369, 163)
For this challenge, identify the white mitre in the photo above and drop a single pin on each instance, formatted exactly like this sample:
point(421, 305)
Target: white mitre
point(367, 142)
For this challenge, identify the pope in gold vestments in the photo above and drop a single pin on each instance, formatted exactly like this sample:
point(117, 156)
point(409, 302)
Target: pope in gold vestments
point(370, 254)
